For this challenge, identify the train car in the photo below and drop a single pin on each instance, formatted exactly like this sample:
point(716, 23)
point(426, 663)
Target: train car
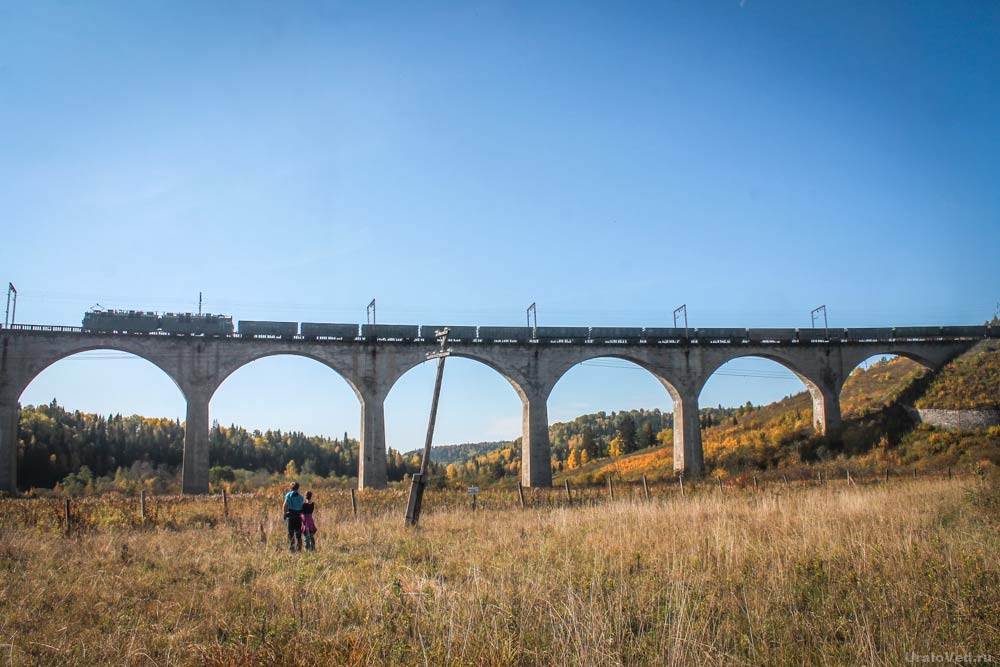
point(266, 328)
point(195, 324)
point(389, 331)
point(616, 334)
point(867, 334)
point(918, 332)
point(505, 334)
point(771, 335)
point(815, 334)
point(122, 321)
point(463, 334)
point(654, 334)
point(717, 334)
point(568, 334)
point(965, 332)
point(328, 330)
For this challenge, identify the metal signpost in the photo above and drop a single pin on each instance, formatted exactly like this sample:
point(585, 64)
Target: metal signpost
point(815, 313)
point(9, 316)
point(419, 481)
point(682, 310)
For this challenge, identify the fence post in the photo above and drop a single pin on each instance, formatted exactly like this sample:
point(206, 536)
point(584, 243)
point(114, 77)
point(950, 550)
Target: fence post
point(849, 481)
point(645, 488)
point(887, 474)
point(720, 485)
point(569, 497)
point(611, 487)
point(142, 505)
point(520, 493)
point(354, 504)
point(68, 524)
point(225, 502)
point(755, 489)
point(949, 472)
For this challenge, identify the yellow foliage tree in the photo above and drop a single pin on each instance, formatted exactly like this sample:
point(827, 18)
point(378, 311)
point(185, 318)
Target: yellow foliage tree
point(616, 447)
point(574, 459)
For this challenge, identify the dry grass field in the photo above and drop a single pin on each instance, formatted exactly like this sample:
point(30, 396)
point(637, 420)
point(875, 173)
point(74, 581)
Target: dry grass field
point(831, 574)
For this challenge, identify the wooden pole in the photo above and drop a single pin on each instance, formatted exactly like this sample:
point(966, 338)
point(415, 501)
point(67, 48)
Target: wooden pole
point(225, 502)
point(569, 497)
point(354, 504)
point(887, 474)
point(68, 524)
point(680, 480)
point(473, 502)
point(520, 493)
point(645, 488)
point(611, 488)
point(142, 505)
point(720, 485)
point(419, 480)
point(849, 480)
point(949, 472)
point(755, 488)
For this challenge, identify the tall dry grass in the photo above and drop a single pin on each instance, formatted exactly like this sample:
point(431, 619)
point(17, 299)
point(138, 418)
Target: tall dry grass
point(827, 575)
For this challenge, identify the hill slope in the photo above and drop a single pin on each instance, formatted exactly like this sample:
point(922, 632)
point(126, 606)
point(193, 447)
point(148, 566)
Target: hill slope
point(876, 431)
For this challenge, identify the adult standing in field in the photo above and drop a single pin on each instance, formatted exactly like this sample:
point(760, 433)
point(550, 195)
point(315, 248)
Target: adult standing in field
point(308, 524)
point(292, 509)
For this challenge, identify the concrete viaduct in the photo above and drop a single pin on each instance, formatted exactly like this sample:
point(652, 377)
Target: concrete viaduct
point(682, 360)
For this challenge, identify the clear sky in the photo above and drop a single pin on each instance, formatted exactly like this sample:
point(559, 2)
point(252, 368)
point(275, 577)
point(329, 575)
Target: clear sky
point(457, 161)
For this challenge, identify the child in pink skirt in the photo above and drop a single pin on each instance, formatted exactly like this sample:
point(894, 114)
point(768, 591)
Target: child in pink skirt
point(308, 524)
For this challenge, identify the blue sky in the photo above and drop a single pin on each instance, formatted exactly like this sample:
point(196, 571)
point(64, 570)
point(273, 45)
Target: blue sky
point(457, 161)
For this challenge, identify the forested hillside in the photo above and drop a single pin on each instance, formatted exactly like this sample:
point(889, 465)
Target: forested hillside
point(971, 381)
point(79, 449)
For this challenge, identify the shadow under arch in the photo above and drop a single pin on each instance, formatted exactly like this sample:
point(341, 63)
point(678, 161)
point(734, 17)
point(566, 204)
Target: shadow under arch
point(901, 375)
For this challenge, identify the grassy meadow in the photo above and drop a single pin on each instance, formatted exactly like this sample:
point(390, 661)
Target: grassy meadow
point(793, 574)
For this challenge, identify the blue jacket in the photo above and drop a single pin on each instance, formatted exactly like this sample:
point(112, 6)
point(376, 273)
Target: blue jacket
point(294, 501)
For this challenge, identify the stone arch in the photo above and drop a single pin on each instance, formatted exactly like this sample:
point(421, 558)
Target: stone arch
point(32, 372)
point(368, 405)
point(536, 467)
point(824, 390)
point(517, 384)
point(245, 361)
point(688, 454)
point(635, 362)
point(30, 368)
point(413, 382)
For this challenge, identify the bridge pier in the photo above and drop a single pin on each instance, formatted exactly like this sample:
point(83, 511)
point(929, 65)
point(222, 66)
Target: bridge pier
point(9, 413)
point(194, 475)
point(372, 467)
point(536, 454)
point(826, 409)
point(689, 458)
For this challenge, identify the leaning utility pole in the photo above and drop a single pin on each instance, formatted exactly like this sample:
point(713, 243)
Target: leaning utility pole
point(419, 481)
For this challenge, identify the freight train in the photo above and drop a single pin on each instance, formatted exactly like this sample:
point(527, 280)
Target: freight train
point(190, 324)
